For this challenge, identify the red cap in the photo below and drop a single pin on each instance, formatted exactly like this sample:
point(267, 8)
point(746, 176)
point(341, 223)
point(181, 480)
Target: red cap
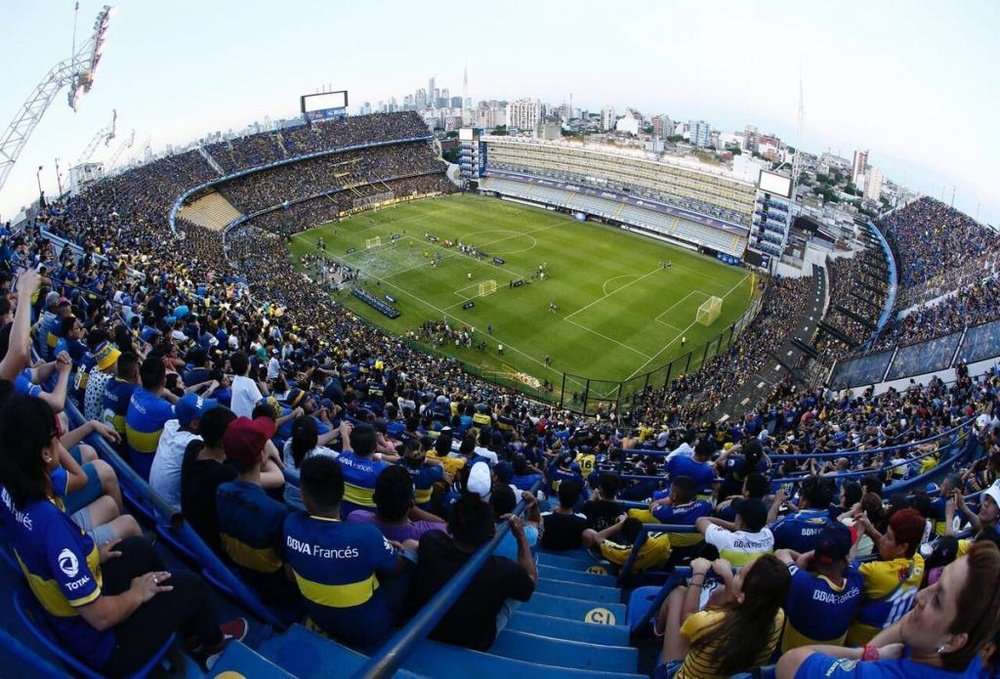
point(245, 439)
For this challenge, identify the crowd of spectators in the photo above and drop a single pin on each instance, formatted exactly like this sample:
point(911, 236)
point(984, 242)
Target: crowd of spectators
point(228, 356)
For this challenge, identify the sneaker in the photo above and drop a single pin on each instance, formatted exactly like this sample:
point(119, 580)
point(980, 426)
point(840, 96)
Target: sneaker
point(234, 630)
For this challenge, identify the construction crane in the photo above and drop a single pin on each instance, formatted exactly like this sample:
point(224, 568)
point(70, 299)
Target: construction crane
point(77, 73)
point(105, 134)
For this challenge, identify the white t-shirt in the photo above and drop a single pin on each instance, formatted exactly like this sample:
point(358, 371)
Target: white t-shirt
point(245, 397)
point(273, 368)
point(293, 496)
point(740, 547)
point(165, 474)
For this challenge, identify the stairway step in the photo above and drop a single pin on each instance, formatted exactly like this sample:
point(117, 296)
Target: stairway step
point(579, 590)
point(584, 564)
point(435, 659)
point(576, 575)
point(238, 660)
point(307, 654)
point(575, 609)
point(563, 653)
point(560, 628)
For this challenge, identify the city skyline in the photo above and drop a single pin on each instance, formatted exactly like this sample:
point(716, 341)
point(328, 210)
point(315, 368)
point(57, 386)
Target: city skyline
point(867, 83)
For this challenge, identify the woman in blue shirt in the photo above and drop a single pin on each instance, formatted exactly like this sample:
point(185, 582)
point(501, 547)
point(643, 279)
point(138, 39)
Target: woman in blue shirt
point(111, 605)
point(940, 637)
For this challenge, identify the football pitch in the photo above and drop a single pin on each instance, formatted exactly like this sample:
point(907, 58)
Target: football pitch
point(596, 301)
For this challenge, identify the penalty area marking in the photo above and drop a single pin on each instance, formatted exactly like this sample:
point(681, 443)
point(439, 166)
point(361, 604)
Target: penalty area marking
point(674, 305)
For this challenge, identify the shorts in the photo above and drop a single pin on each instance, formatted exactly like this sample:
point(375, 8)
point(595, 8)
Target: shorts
point(668, 669)
point(99, 534)
point(79, 499)
point(505, 613)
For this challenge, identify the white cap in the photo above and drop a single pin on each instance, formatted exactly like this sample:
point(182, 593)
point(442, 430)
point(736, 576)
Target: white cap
point(993, 491)
point(480, 480)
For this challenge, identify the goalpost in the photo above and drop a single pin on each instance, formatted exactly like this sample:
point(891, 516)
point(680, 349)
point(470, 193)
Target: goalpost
point(709, 311)
point(373, 242)
point(487, 287)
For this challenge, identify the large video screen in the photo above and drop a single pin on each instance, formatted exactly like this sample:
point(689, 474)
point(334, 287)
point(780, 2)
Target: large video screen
point(326, 100)
point(771, 182)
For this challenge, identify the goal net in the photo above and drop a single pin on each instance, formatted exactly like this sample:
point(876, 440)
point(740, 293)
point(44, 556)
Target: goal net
point(373, 242)
point(709, 311)
point(487, 287)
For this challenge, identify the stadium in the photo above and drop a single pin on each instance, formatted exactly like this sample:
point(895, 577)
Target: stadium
point(585, 411)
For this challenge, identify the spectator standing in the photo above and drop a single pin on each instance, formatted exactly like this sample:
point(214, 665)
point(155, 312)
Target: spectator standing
point(148, 411)
point(165, 472)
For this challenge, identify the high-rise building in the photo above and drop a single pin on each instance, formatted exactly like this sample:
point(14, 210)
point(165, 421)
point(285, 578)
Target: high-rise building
point(431, 92)
point(524, 114)
point(750, 135)
point(860, 166)
point(420, 99)
point(663, 126)
point(873, 184)
point(701, 133)
point(607, 118)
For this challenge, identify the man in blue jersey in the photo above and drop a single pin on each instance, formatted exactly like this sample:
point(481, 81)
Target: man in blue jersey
point(824, 598)
point(698, 467)
point(340, 567)
point(147, 412)
point(798, 531)
point(361, 466)
point(117, 393)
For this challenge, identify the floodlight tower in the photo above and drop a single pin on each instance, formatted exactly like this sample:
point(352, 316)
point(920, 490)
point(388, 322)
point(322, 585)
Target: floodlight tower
point(124, 146)
point(77, 73)
point(105, 134)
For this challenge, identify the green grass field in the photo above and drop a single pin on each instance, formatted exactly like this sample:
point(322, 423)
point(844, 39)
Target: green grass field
point(620, 313)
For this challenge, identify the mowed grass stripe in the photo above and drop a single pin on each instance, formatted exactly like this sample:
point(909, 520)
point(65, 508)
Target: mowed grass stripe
point(606, 280)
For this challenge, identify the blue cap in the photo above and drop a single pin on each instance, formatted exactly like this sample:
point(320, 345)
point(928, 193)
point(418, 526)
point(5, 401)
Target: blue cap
point(192, 407)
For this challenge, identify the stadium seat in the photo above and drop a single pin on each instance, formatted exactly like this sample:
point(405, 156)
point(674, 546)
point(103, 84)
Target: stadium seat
point(33, 618)
point(639, 602)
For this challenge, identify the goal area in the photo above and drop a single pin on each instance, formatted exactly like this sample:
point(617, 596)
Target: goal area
point(487, 287)
point(373, 242)
point(709, 311)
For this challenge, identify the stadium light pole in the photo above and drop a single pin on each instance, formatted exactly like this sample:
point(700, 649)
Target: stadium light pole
point(58, 179)
point(38, 178)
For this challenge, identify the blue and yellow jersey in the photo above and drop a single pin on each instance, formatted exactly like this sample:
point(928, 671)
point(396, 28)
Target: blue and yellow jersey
point(63, 570)
point(586, 461)
point(653, 553)
point(818, 611)
point(144, 420)
point(482, 420)
point(117, 395)
point(889, 592)
point(798, 531)
point(424, 477)
point(360, 474)
point(685, 514)
point(24, 386)
point(334, 565)
point(251, 528)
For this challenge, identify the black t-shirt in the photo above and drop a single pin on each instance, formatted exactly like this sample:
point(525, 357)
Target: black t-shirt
point(563, 531)
point(602, 514)
point(471, 621)
point(200, 479)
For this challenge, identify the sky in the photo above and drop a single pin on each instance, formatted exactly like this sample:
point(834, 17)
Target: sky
point(915, 83)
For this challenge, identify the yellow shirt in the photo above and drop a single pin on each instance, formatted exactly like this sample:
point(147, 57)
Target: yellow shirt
point(654, 552)
point(698, 662)
point(450, 464)
point(889, 593)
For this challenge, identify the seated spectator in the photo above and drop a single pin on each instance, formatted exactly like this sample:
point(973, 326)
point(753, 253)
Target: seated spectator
point(361, 466)
point(148, 411)
point(339, 567)
point(849, 495)
point(483, 608)
point(798, 531)
point(891, 583)
point(303, 444)
point(112, 606)
point(983, 522)
point(503, 500)
point(565, 470)
point(743, 539)
point(950, 624)
point(679, 505)
point(562, 528)
point(602, 510)
point(697, 467)
point(115, 394)
point(737, 463)
point(165, 472)
point(723, 640)
point(825, 590)
point(246, 392)
point(756, 486)
point(394, 500)
point(251, 522)
point(204, 469)
point(616, 543)
point(423, 474)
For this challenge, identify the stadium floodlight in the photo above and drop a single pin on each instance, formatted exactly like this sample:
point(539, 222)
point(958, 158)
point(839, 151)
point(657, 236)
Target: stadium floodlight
point(77, 73)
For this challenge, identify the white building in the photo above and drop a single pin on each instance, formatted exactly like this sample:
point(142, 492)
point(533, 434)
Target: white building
point(629, 123)
point(700, 133)
point(524, 114)
point(607, 118)
point(859, 167)
point(873, 184)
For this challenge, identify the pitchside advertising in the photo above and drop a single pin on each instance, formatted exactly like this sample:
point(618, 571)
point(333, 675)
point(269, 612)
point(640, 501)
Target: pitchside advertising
point(324, 106)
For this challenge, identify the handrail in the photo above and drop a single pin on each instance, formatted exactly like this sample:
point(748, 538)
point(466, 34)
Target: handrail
point(388, 658)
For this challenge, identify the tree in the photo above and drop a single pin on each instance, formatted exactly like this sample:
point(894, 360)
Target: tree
point(852, 189)
point(451, 155)
point(674, 138)
point(500, 130)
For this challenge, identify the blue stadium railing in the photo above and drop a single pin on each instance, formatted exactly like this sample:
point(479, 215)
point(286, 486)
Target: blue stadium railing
point(390, 657)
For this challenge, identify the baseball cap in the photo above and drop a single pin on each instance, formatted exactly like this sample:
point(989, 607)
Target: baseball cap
point(192, 407)
point(994, 492)
point(245, 438)
point(480, 480)
point(106, 355)
point(833, 543)
point(294, 398)
point(754, 514)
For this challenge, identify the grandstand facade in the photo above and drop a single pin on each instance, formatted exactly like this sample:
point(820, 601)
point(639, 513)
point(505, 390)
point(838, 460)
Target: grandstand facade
point(687, 203)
